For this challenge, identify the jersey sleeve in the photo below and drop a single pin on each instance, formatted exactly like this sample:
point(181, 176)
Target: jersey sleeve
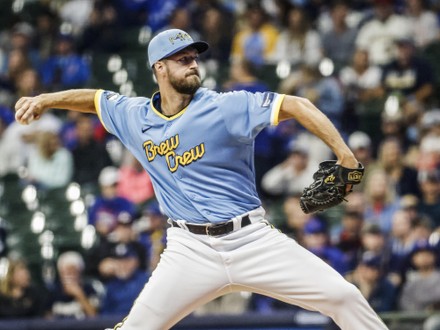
point(246, 113)
point(113, 111)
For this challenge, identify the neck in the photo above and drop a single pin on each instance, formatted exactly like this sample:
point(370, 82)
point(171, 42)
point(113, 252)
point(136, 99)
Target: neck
point(17, 292)
point(340, 27)
point(173, 102)
point(426, 271)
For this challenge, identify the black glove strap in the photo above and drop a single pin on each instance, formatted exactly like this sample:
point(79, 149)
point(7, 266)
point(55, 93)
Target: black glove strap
point(351, 175)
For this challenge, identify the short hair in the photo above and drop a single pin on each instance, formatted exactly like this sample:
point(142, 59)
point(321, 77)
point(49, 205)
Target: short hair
point(71, 258)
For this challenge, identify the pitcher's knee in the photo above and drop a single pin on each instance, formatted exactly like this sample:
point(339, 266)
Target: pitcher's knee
point(343, 293)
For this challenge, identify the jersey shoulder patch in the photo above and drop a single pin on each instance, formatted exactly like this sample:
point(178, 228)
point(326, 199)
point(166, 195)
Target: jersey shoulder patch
point(268, 98)
point(112, 96)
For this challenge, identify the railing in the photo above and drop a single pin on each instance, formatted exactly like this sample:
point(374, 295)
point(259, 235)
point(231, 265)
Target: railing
point(278, 321)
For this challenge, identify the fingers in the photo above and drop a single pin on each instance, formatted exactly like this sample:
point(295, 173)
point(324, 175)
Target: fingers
point(26, 110)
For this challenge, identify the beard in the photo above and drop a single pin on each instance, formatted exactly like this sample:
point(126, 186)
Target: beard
point(187, 85)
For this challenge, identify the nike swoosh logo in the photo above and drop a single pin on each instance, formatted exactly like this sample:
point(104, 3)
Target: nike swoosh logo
point(146, 128)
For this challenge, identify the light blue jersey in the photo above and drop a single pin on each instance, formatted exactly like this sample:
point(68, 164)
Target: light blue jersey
point(200, 160)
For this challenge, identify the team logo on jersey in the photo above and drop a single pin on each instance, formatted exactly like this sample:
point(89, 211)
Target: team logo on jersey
point(146, 128)
point(180, 36)
point(267, 99)
point(167, 149)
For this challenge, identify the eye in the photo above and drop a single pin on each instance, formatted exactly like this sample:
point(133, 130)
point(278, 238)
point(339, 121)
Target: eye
point(186, 60)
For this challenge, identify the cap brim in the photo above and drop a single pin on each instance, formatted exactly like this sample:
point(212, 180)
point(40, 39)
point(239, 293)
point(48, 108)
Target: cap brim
point(200, 46)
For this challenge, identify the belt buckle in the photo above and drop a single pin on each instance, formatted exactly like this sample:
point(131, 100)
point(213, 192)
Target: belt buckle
point(219, 225)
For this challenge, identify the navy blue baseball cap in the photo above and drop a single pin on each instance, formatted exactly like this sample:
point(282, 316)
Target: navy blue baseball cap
point(369, 259)
point(315, 226)
point(171, 41)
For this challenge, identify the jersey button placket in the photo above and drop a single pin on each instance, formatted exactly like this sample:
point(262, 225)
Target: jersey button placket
point(168, 125)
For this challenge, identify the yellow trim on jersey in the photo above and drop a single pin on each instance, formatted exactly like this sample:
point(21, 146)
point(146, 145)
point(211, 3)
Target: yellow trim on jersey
point(160, 114)
point(97, 100)
point(274, 116)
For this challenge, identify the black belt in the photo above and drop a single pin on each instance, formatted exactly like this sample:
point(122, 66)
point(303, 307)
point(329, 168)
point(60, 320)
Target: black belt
point(215, 229)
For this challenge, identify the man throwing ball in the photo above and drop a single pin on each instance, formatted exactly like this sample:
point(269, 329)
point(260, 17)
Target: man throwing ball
point(197, 146)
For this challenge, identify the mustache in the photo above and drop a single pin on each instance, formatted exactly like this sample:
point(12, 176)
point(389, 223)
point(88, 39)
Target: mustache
point(193, 72)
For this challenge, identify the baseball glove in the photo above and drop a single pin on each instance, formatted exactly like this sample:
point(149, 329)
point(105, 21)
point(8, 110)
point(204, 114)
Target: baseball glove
point(329, 186)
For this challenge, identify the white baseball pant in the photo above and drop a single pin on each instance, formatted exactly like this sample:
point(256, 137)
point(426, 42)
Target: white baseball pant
point(195, 269)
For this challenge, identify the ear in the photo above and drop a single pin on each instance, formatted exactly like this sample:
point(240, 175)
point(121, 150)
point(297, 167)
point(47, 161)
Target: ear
point(159, 67)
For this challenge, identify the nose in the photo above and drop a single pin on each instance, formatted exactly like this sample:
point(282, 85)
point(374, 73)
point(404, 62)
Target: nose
point(194, 63)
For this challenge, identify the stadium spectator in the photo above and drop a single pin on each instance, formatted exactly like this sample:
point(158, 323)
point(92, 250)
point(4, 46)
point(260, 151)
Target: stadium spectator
point(256, 40)
point(430, 201)
point(409, 204)
point(50, 165)
point(159, 12)
point(22, 37)
point(102, 33)
point(77, 13)
point(424, 22)
point(356, 202)
point(375, 287)
point(361, 83)
point(3, 236)
point(316, 240)
point(17, 64)
point(28, 83)
point(214, 19)
point(339, 41)
point(381, 202)
point(90, 155)
point(428, 156)
point(150, 229)
point(65, 68)
point(16, 142)
point(378, 34)
point(122, 290)
point(298, 42)
point(109, 208)
point(325, 91)
point(391, 160)
point(348, 237)
point(120, 263)
point(6, 117)
point(46, 29)
point(375, 242)
point(243, 76)
point(293, 218)
point(421, 291)
point(19, 296)
point(134, 182)
point(392, 125)
point(292, 175)
point(410, 78)
point(402, 236)
point(180, 18)
point(72, 295)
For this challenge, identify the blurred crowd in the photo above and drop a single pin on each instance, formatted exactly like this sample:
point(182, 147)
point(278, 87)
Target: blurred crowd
point(370, 65)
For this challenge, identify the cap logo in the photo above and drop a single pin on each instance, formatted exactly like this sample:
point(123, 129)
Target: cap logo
point(180, 36)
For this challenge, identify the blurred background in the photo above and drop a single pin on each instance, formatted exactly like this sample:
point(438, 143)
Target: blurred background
point(80, 229)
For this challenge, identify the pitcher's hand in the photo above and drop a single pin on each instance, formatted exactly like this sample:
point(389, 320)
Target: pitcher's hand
point(28, 109)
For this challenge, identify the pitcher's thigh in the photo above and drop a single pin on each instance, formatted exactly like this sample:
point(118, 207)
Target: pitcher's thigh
point(182, 281)
point(279, 267)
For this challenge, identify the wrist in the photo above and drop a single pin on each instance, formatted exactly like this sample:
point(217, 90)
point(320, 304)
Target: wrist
point(348, 160)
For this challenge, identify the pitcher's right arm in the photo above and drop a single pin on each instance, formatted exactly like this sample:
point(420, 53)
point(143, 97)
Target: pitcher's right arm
point(28, 109)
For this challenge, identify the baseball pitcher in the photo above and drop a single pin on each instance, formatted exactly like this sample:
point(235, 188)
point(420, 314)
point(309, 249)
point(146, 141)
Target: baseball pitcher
point(197, 146)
